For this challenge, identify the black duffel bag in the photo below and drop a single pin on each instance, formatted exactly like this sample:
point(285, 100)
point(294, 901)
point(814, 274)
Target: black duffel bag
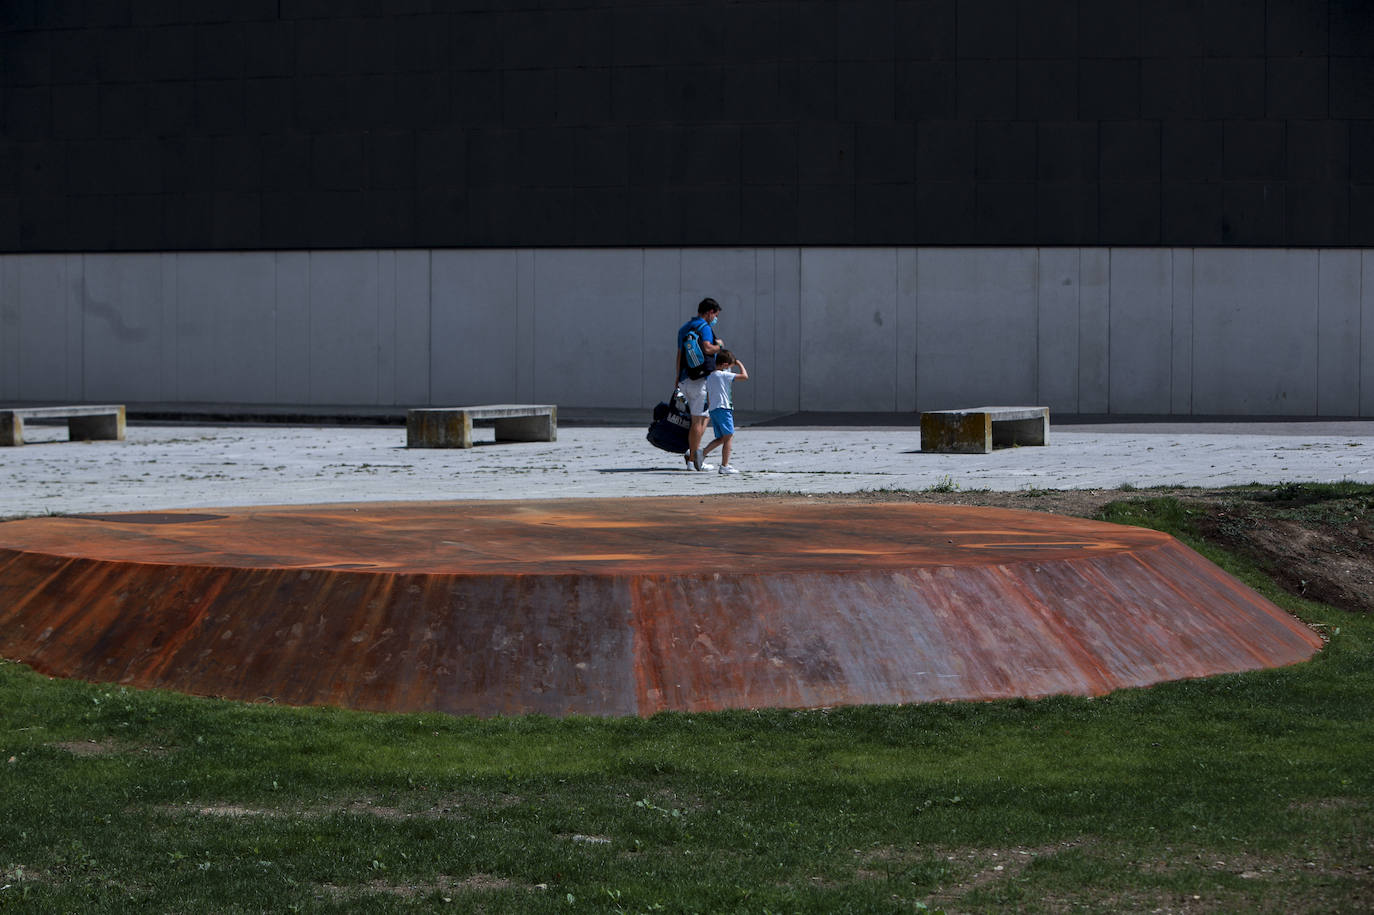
point(668, 431)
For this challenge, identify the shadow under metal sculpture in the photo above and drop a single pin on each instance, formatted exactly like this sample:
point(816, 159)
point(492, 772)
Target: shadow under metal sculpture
point(623, 606)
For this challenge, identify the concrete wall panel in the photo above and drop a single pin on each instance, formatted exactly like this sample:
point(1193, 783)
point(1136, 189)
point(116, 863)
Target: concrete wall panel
point(1338, 333)
point(169, 383)
point(76, 364)
point(908, 311)
point(1367, 333)
point(343, 327)
point(787, 331)
point(1057, 329)
point(757, 394)
point(664, 313)
point(224, 341)
point(1094, 330)
point(976, 331)
point(525, 326)
point(1141, 331)
point(292, 329)
point(475, 322)
point(122, 320)
point(1181, 358)
point(589, 323)
point(848, 328)
point(37, 338)
point(386, 327)
point(11, 303)
point(412, 328)
point(1255, 332)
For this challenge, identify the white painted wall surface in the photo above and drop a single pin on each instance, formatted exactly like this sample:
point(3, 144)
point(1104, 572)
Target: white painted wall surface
point(1091, 330)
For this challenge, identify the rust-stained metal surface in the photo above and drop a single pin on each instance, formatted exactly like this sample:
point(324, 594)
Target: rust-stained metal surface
point(623, 606)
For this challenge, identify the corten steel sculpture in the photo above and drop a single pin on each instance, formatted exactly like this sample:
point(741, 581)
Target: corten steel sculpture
point(623, 607)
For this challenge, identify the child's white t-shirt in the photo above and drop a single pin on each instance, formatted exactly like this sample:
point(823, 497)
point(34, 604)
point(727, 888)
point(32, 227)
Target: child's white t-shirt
point(718, 389)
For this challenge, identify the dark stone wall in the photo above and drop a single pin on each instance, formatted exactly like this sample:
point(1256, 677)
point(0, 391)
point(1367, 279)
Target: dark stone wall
point(169, 125)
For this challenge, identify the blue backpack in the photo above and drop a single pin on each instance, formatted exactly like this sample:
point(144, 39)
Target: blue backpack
point(693, 358)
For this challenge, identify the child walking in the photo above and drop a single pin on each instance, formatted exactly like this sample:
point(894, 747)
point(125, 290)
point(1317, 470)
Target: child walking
point(722, 411)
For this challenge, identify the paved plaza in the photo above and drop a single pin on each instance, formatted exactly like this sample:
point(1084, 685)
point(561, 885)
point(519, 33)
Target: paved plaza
point(188, 466)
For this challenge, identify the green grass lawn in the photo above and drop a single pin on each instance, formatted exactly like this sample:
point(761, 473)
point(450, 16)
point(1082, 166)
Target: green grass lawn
point(1241, 793)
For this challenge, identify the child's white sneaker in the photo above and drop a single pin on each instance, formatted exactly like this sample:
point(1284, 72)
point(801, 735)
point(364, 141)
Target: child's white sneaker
point(705, 466)
point(726, 468)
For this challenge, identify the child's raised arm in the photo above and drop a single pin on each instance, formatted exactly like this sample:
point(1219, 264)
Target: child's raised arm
point(743, 373)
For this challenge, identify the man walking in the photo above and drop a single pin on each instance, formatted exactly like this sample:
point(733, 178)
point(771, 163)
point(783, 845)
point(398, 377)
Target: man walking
point(697, 336)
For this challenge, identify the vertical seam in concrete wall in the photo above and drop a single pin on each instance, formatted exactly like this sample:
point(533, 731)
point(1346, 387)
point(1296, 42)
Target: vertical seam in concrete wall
point(801, 330)
point(429, 328)
point(1078, 335)
point(1192, 329)
point(772, 336)
point(1078, 340)
point(175, 306)
point(9, 295)
point(1108, 361)
point(896, 327)
point(772, 329)
point(1035, 350)
point(1173, 324)
point(915, 329)
point(309, 326)
point(517, 354)
point(391, 298)
point(429, 323)
point(19, 332)
point(377, 349)
point(10, 276)
point(758, 318)
point(20, 388)
point(534, 322)
point(276, 327)
point(643, 324)
point(81, 305)
point(754, 295)
point(1317, 362)
point(643, 306)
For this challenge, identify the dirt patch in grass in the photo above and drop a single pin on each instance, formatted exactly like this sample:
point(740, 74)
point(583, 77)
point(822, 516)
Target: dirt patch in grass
point(974, 879)
point(953, 873)
point(474, 883)
point(1315, 540)
point(229, 811)
point(88, 747)
point(104, 748)
point(450, 807)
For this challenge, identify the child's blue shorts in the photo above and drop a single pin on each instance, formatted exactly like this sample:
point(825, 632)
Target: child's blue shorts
point(723, 419)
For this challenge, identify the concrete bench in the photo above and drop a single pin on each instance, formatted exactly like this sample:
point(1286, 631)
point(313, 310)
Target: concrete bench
point(84, 423)
point(977, 430)
point(451, 427)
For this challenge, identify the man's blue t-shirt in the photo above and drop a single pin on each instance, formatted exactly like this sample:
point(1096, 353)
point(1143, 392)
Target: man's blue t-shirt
point(703, 329)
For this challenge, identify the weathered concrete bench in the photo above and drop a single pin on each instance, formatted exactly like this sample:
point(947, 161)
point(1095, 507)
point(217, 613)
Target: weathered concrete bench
point(84, 423)
point(977, 430)
point(451, 427)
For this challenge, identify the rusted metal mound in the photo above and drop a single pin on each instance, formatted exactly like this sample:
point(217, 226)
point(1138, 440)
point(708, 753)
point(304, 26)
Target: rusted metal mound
point(621, 607)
